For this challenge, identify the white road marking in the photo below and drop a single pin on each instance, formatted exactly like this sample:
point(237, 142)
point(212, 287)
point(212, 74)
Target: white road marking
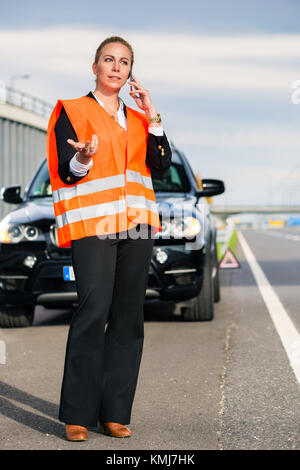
point(285, 328)
point(280, 234)
point(2, 352)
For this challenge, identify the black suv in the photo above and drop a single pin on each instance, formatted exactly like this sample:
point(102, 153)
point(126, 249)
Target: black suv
point(184, 267)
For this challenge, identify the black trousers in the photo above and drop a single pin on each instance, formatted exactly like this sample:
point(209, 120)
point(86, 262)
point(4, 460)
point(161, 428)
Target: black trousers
point(102, 364)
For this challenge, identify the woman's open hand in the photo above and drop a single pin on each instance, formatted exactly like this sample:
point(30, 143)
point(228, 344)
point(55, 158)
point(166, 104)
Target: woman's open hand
point(87, 150)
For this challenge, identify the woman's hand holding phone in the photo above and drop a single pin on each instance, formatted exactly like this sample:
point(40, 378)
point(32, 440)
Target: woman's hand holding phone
point(85, 151)
point(142, 97)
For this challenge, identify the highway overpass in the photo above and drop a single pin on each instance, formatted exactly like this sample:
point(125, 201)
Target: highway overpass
point(23, 128)
point(225, 211)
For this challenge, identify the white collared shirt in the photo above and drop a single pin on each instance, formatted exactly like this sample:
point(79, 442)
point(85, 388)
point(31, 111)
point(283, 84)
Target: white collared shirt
point(81, 169)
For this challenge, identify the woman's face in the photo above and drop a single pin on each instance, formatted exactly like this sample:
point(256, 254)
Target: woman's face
point(113, 66)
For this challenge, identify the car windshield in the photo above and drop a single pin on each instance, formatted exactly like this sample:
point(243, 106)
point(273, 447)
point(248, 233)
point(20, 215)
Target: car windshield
point(40, 186)
point(174, 179)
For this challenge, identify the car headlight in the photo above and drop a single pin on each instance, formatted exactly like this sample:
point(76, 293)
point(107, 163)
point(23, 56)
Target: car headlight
point(180, 227)
point(15, 233)
point(31, 232)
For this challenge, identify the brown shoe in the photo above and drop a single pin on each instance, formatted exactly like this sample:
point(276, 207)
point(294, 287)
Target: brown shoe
point(76, 433)
point(115, 429)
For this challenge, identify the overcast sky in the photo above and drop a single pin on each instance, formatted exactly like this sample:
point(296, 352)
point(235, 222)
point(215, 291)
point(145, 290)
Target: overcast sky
point(220, 73)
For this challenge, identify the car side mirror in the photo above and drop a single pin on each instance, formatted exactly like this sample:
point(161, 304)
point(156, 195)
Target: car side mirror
point(211, 187)
point(11, 194)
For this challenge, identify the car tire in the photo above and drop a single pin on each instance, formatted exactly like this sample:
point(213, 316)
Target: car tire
point(13, 317)
point(203, 309)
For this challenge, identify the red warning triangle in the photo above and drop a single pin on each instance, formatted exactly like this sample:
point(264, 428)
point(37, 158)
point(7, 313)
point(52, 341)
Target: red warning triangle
point(229, 260)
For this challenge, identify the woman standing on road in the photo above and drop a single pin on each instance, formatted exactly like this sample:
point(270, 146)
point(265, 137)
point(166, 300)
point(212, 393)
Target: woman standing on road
point(105, 210)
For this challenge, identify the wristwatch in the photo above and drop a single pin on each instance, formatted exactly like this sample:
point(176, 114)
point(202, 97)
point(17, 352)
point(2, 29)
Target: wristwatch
point(157, 118)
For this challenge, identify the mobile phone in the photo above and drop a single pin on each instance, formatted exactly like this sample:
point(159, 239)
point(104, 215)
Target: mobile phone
point(130, 78)
point(130, 74)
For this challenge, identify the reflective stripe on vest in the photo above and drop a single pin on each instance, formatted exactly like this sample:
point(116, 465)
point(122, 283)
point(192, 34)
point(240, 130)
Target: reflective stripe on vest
point(76, 215)
point(136, 177)
point(101, 184)
point(117, 193)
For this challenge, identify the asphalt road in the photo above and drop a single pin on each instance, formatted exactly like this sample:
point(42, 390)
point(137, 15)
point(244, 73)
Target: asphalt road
point(225, 384)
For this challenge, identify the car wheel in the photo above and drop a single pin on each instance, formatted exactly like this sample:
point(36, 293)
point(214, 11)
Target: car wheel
point(203, 309)
point(12, 316)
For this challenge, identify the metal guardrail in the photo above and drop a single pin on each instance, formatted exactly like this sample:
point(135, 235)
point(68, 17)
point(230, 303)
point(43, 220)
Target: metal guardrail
point(23, 100)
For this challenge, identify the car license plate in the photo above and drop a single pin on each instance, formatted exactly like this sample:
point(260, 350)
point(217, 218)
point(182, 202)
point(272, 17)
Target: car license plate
point(68, 273)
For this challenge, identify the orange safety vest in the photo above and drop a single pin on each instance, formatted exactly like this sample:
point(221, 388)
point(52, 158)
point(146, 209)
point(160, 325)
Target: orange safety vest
point(117, 193)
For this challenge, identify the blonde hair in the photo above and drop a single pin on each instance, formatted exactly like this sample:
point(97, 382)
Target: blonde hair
point(113, 39)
